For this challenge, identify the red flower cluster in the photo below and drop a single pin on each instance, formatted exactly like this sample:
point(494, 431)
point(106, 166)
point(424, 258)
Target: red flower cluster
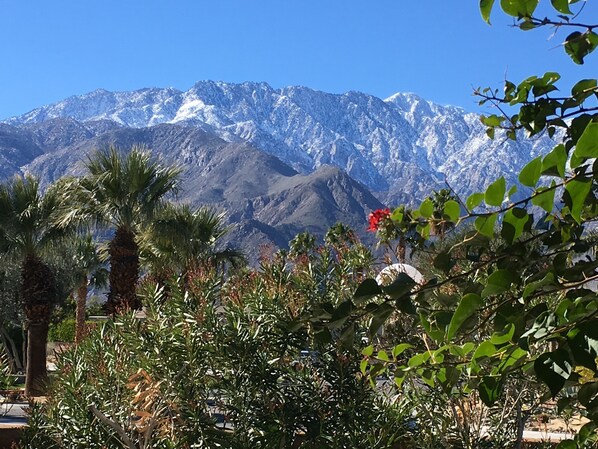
point(377, 217)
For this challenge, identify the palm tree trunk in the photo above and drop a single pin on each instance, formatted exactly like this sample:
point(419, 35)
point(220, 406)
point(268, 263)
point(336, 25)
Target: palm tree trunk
point(124, 273)
point(36, 376)
point(80, 312)
point(38, 290)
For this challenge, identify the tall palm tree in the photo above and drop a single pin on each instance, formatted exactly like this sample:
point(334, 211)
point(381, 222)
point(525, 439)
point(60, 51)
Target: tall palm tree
point(29, 229)
point(123, 191)
point(181, 238)
point(89, 269)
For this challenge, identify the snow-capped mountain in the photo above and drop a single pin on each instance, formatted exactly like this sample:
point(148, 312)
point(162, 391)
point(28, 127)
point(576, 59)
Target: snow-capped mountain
point(401, 147)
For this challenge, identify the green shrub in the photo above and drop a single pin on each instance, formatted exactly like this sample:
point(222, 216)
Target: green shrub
point(64, 331)
point(237, 351)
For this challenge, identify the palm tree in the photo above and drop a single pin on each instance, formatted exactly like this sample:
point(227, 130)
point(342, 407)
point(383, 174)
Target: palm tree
point(88, 270)
point(123, 192)
point(182, 238)
point(28, 227)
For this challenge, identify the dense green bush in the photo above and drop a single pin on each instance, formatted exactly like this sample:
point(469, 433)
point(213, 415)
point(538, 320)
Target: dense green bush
point(63, 331)
point(235, 354)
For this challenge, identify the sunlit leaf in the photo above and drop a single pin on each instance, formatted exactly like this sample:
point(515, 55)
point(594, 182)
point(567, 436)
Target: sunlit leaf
point(486, 9)
point(495, 193)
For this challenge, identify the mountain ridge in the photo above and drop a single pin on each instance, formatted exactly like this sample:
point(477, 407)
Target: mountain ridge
point(403, 140)
point(280, 161)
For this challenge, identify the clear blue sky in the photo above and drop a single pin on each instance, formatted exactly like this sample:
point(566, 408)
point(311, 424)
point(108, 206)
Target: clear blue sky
point(438, 49)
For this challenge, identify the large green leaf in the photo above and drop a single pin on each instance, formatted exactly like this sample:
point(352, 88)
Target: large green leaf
point(452, 210)
point(530, 174)
point(561, 6)
point(474, 200)
point(486, 9)
point(588, 394)
point(584, 88)
point(489, 389)
point(532, 287)
point(379, 317)
point(576, 193)
point(554, 368)
point(519, 8)
point(426, 209)
point(402, 285)
point(399, 349)
point(367, 290)
point(485, 225)
point(495, 193)
point(544, 197)
point(484, 350)
point(579, 45)
point(554, 162)
point(514, 223)
point(587, 145)
point(504, 336)
point(498, 282)
point(468, 305)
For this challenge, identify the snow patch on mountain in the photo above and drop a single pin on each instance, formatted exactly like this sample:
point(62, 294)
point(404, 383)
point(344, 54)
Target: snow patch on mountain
point(401, 146)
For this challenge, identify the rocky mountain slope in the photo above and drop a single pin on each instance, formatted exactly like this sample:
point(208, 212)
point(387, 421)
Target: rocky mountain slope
point(400, 148)
point(267, 201)
point(279, 161)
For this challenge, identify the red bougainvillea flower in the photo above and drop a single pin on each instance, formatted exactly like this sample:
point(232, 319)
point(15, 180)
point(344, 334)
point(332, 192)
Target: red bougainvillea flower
point(377, 217)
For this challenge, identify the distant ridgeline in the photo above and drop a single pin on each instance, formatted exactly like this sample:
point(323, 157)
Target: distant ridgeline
point(279, 161)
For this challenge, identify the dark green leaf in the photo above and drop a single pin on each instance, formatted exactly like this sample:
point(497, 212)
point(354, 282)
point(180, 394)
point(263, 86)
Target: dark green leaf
point(498, 282)
point(553, 368)
point(588, 394)
point(347, 338)
point(444, 262)
point(583, 89)
point(527, 25)
point(489, 389)
point(514, 223)
point(366, 290)
point(379, 317)
point(587, 435)
point(567, 444)
point(579, 45)
point(402, 285)
point(532, 287)
point(468, 305)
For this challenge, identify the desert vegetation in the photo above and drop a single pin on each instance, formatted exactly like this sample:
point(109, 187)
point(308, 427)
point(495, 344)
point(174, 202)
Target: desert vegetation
point(309, 349)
